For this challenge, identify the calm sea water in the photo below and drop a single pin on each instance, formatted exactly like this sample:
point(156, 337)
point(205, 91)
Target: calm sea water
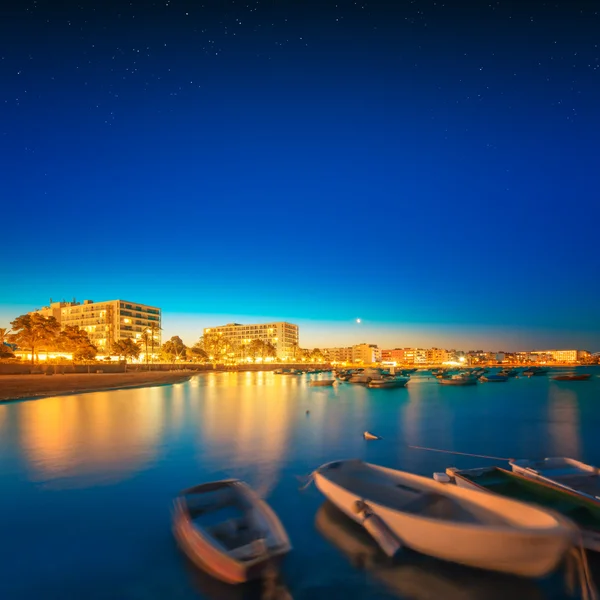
point(87, 481)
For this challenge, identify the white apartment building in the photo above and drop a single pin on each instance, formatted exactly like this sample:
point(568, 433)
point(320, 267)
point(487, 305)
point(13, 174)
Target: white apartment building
point(283, 336)
point(109, 321)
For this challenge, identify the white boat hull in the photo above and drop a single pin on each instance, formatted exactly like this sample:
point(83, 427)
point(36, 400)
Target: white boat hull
point(524, 551)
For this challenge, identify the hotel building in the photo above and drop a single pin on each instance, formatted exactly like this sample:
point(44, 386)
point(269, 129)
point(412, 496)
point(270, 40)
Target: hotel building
point(283, 336)
point(108, 321)
point(566, 356)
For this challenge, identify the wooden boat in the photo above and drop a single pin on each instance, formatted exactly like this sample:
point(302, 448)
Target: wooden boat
point(571, 377)
point(388, 382)
point(226, 529)
point(563, 472)
point(582, 510)
point(494, 378)
point(450, 523)
point(321, 382)
point(371, 436)
point(458, 380)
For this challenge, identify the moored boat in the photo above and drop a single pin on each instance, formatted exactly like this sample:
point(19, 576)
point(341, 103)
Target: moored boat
point(571, 377)
point(582, 510)
point(416, 577)
point(563, 472)
point(226, 529)
point(509, 372)
point(365, 375)
point(321, 382)
point(450, 523)
point(388, 382)
point(534, 371)
point(460, 379)
point(494, 378)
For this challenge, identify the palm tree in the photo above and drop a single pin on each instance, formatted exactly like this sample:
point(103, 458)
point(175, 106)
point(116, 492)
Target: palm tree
point(4, 335)
point(153, 330)
point(144, 339)
point(5, 346)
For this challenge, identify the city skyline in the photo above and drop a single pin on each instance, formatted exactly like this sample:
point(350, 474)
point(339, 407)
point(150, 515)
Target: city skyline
point(428, 168)
point(317, 334)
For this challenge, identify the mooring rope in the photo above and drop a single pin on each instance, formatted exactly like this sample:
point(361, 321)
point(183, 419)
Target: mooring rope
point(577, 563)
point(461, 453)
point(310, 478)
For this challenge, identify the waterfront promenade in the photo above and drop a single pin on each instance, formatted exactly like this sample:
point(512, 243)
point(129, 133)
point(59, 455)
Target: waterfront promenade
point(16, 387)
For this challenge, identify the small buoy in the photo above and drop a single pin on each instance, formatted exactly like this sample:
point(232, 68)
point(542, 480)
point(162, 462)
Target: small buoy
point(308, 412)
point(370, 436)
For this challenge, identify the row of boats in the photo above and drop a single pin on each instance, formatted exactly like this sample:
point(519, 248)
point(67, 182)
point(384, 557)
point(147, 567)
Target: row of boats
point(521, 522)
point(473, 376)
point(375, 378)
point(382, 378)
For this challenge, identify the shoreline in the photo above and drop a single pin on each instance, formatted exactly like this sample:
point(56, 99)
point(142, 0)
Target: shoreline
point(16, 388)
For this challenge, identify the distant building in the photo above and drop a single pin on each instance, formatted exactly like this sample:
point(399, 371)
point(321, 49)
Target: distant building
point(283, 336)
point(415, 356)
point(338, 354)
point(393, 356)
point(108, 321)
point(436, 356)
point(366, 354)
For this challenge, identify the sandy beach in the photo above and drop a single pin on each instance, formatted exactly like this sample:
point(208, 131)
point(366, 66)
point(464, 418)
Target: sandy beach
point(16, 387)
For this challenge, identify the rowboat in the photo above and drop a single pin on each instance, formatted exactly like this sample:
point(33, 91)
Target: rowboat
point(416, 577)
point(448, 522)
point(389, 382)
point(321, 382)
point(226, 529)
point(582, 510)
point(572, 377)
point(563, 472)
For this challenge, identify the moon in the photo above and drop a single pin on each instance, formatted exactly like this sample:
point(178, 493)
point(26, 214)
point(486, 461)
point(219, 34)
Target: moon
point(358, 320)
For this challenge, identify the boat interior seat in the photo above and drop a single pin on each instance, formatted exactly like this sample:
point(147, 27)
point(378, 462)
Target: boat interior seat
point(234, 533)
point(250, 551)
point(438, 506)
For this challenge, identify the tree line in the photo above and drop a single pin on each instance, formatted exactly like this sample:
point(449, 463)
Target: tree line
point(35, 332)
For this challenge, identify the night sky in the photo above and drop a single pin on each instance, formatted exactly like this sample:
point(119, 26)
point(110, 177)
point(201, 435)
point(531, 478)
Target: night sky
point(432, 168)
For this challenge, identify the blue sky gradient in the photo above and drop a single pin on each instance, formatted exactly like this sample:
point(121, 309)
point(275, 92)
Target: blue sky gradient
point(431, 170)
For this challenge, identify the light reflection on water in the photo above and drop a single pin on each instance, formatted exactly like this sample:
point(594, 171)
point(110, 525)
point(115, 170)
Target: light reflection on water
point(98, 471)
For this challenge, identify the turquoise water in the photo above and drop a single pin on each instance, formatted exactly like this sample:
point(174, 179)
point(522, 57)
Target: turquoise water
point(87, 481)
